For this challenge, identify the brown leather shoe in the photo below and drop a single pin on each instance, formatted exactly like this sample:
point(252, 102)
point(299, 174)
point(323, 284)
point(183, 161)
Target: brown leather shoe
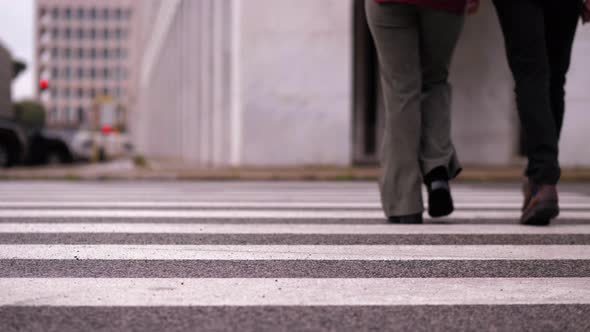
point(527, 193)
point(541, 206)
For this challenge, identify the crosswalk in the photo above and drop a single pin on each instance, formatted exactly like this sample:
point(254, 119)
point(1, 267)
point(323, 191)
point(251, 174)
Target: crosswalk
point(256, 256)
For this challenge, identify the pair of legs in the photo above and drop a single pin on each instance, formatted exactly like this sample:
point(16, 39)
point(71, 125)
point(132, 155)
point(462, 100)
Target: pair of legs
point(539, 35)
point(414, 45)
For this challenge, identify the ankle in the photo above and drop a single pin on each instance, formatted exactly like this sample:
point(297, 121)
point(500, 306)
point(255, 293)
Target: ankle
point(437, 174)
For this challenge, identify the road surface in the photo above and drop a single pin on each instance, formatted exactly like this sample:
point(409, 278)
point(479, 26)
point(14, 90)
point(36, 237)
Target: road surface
point(248, 256)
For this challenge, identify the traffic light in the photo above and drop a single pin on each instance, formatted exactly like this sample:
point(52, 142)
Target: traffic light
point(43, 84)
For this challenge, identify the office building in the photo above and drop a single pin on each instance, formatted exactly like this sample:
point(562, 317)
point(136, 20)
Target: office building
point(86, 51)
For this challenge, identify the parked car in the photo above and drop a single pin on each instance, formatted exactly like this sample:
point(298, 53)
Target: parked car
point(49, 147)
point(13, 144)
point(89, 145)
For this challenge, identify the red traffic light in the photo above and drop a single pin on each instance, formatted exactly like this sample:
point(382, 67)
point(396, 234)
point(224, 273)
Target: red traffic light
point(43, 84)
point(106, 129)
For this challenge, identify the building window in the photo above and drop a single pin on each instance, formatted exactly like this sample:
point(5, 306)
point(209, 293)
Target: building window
point(105, 34)
point(105, 53)
point(45, 36)
point(80, 13)
point(80, 53)
point(93, 13)
point(93, 73)
point(55, 14)
point(119, 34)
point(67, 13)
point(80, 34)
point(105, 73)
point(67, 53)
point(67, 33)
point(105, 14)
point(53, 114)
point(67, 73)
point(45, 73)
point(93, 93)
point(54, 73)
point(93, 53)
point(45, 55)
point(54, 53)
point(92, 34)
point(54, 33)
point(80, 73)
point(81, 114)
point(65, 113)
point(80, 93)
point(73, 115)
point(66, 93)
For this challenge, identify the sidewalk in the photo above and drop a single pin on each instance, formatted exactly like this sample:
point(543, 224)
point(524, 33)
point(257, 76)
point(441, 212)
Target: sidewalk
point(160, 170)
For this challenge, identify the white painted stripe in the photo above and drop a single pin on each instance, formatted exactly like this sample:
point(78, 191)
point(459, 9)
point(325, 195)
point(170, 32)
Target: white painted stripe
point(212, 214)
point(258, 205)
point(295, 252)
point(465, 202)
point(194, 204)
point(249, 214)
point(269, 193)
point(292, 292)
point(189, 228)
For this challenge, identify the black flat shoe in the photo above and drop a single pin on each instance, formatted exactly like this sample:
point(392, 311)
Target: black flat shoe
point(440, 201)
point(408, 219)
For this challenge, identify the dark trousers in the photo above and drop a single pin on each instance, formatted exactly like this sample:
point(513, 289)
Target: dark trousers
point(539, 36)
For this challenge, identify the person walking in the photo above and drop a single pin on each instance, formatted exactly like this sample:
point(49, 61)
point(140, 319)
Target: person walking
point(415, 40)
point(538, 35)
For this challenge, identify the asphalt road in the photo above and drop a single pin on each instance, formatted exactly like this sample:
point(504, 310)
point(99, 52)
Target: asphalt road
point(277, 256)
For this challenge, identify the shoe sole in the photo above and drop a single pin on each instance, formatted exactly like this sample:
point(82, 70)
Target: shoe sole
point(440, 203)
point(540, 215)
point(406, 222)
point(409, 221)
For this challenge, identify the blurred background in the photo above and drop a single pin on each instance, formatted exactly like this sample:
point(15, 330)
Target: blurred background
point(216, 84)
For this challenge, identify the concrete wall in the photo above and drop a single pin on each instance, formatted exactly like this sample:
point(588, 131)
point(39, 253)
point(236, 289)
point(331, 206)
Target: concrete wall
point(485, 121)
point(296, 79)
point(485, 128)
point(575, 149)
point(184, 87)
point(269, 82)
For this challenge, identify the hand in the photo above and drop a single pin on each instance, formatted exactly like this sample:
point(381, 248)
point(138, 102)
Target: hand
point(473, 6)
point(586, 12)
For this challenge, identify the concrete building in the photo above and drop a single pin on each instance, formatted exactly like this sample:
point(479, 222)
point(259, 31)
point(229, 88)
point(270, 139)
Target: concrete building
point(85, 49)
point(281, 82)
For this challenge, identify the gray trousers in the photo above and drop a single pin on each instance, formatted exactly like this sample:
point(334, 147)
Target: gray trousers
point(414, 46)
